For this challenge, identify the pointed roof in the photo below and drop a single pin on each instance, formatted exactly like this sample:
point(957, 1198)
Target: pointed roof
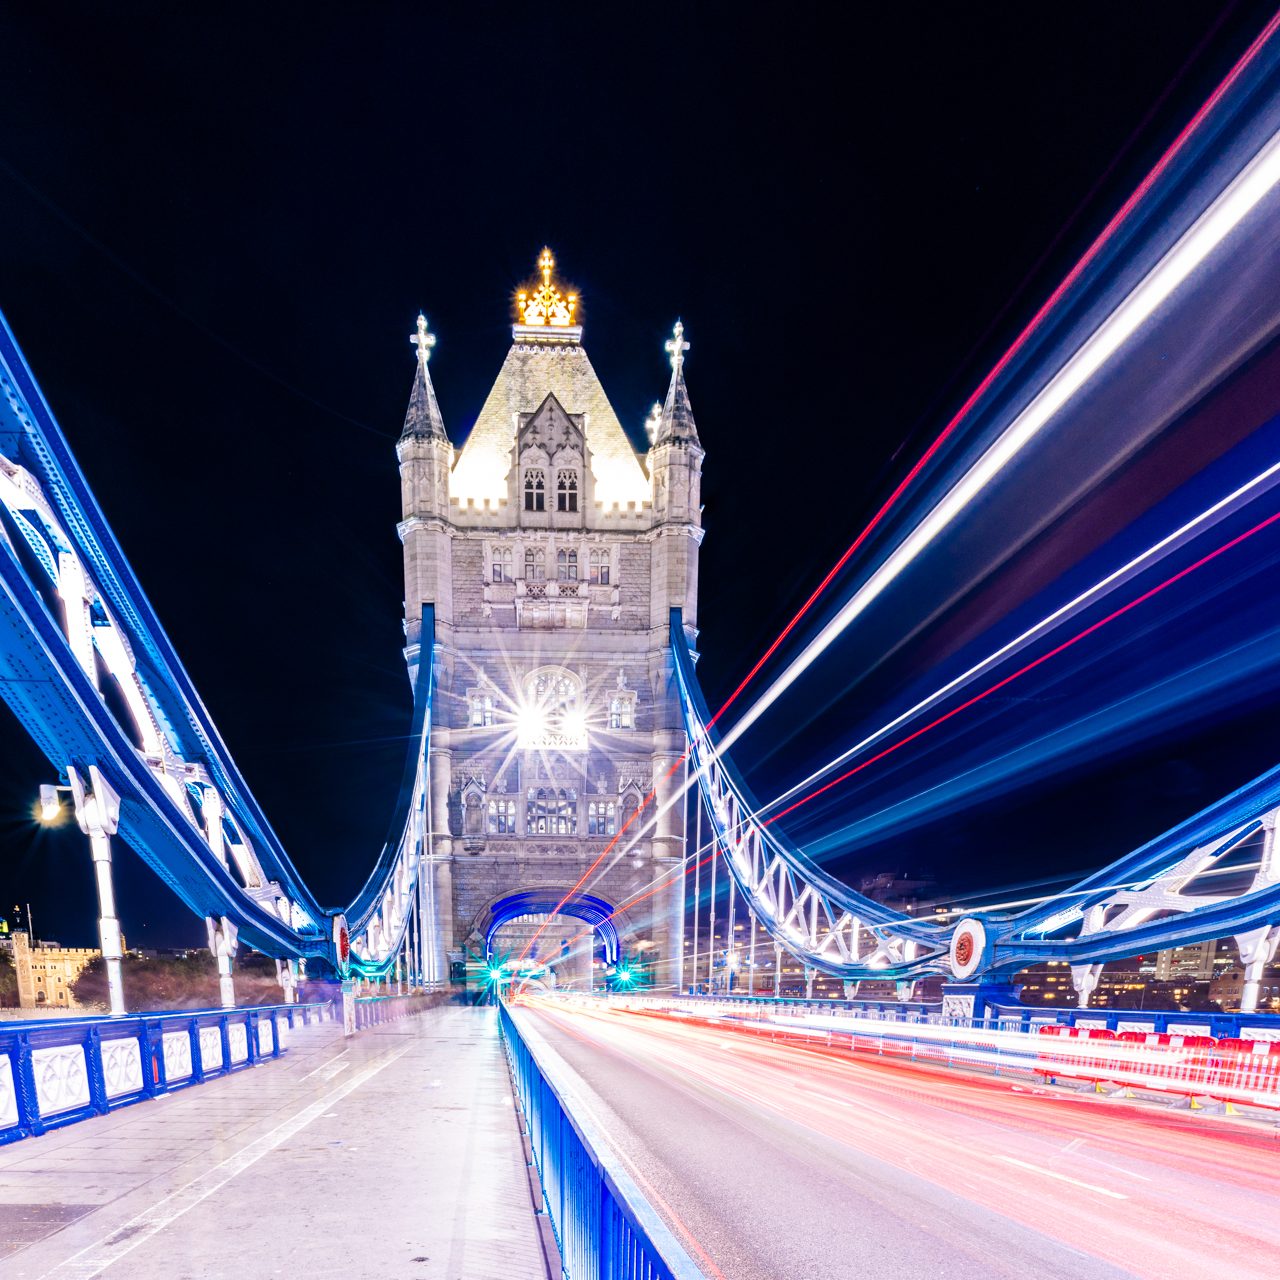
point(676, 421)
point(423, 418)
point(528, 375)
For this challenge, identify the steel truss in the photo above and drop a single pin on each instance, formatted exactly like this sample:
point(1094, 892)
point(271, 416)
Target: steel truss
point(89, 671)
point(1162, 895)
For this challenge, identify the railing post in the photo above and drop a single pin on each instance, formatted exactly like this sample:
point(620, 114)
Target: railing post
point(27, 1094)
point(94, 1070)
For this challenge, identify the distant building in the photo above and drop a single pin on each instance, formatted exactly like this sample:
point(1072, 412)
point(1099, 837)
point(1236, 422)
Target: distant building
point(46, 973)
point(1194, 962)
point(1047, 983)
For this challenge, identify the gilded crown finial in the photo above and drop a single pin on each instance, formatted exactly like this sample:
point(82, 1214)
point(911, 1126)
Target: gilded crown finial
point(546, 305)
point(423, 340)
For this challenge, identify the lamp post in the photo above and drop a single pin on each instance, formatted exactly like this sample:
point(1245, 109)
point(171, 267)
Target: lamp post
point(97, 807)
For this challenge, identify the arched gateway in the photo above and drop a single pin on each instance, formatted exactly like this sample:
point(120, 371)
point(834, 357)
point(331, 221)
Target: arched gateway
point(552, 553)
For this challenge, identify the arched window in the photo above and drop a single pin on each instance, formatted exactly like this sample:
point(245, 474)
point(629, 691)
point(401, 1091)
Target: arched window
point(600, 567)
point(622, 713)
point(481, 711)
point(567, 566)
point(535, 489)
point(534, 564)
point(566, 491)
point(473, 818)
point(502, 564)
point(551, 811)
point(502, 817)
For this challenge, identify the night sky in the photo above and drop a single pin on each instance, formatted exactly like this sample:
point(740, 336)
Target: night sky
point(218, 230)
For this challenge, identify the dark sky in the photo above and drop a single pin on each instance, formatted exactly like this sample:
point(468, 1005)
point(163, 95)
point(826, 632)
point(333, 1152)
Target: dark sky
point(218, 228)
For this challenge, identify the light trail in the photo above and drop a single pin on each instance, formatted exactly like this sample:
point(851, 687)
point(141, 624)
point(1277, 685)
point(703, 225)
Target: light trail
point(1125, 573)
point(1120, 575)
point(1256, 180)
point(1242, 195)
point(915, 1123)
point(1028, 667)
point(1018, 343)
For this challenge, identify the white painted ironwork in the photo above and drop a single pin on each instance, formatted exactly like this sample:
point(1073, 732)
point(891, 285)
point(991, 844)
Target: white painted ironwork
point(121, 1066)
point(177, 1055)
point(62, 1079)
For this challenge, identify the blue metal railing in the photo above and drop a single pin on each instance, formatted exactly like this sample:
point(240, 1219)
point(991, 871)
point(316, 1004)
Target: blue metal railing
point(606, 1229)
point(57, 1072)
point(371, 1010)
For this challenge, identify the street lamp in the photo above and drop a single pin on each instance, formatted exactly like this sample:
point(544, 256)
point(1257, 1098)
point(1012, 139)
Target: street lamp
point(97, 807)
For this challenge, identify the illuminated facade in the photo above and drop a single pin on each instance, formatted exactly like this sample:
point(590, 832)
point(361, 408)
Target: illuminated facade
point(552, 552)
point(46, 974)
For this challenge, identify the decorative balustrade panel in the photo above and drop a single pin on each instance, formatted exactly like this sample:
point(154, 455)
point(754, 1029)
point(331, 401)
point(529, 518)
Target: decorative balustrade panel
point(59, 1071)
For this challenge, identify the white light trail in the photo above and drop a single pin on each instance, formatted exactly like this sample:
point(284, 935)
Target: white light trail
point(1255, 181)
point(1178, 538)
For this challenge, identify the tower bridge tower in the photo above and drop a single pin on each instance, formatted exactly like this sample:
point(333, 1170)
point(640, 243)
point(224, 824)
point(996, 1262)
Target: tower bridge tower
point(552, 552)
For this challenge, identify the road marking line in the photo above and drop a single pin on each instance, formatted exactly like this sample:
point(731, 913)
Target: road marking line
point(96, 1258)
point(1062, 1177)
point(322, 1066)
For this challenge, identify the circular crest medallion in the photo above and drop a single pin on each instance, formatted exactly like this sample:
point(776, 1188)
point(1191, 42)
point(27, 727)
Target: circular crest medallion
point(968, 944)
point(342, 945)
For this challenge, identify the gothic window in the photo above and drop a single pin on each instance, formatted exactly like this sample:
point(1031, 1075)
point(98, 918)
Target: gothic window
point(535, 489)
point(567, 566)
point(502, 562)
point(535, 567)
point(472, 817)
point(481, 711)
point(502, 817)
point(551, 811)
point(622, 711)
point(600, 567)
point(566, 491)
point(602, 818)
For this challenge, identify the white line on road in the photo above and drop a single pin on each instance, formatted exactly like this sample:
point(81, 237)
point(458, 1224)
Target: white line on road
point(96, 1258)
point(1062, 1177)
point(322, 1066)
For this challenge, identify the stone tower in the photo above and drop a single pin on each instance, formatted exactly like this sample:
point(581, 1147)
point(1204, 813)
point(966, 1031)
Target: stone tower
point(552, 554)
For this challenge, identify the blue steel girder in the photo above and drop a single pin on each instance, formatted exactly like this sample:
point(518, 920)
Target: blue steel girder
point(74, 620)
point(1144, 901)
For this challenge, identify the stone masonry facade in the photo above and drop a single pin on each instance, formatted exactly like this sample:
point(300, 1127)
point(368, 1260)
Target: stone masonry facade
point(552, 553)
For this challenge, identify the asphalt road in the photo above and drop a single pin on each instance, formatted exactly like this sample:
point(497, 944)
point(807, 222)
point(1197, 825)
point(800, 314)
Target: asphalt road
point(781, 1162)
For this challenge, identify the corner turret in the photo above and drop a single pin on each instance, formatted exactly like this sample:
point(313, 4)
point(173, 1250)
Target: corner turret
point(426, 457)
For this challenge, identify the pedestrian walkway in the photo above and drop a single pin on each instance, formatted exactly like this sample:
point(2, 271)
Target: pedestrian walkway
point(393, 1154)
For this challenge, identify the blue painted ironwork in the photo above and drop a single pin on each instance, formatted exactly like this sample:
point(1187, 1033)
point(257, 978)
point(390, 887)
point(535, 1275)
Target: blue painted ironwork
point(58, 1071)
point(1137, 903)
point(581, 906)
point(90, 673)
point(605, 1227)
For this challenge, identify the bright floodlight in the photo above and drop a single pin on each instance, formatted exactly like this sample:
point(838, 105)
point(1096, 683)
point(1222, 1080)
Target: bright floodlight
point(531, 725)
point(575, 725)
point(495, 975)
point(50, 805)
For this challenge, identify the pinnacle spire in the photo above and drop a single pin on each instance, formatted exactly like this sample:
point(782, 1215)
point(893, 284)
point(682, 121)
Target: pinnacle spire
point(676, 421)
point(423, 417)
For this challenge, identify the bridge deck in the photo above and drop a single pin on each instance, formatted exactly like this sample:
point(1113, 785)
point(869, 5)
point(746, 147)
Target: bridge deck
point(771, 1160)
point(395, 1153)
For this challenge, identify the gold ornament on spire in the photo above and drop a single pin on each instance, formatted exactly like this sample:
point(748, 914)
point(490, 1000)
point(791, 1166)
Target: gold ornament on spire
point(544, 304)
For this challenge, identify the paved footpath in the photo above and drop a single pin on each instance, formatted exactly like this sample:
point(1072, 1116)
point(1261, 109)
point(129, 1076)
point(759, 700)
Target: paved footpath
point(394, 1154)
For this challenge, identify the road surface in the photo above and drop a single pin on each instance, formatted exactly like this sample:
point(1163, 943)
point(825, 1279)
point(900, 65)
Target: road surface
point(781, 1162)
